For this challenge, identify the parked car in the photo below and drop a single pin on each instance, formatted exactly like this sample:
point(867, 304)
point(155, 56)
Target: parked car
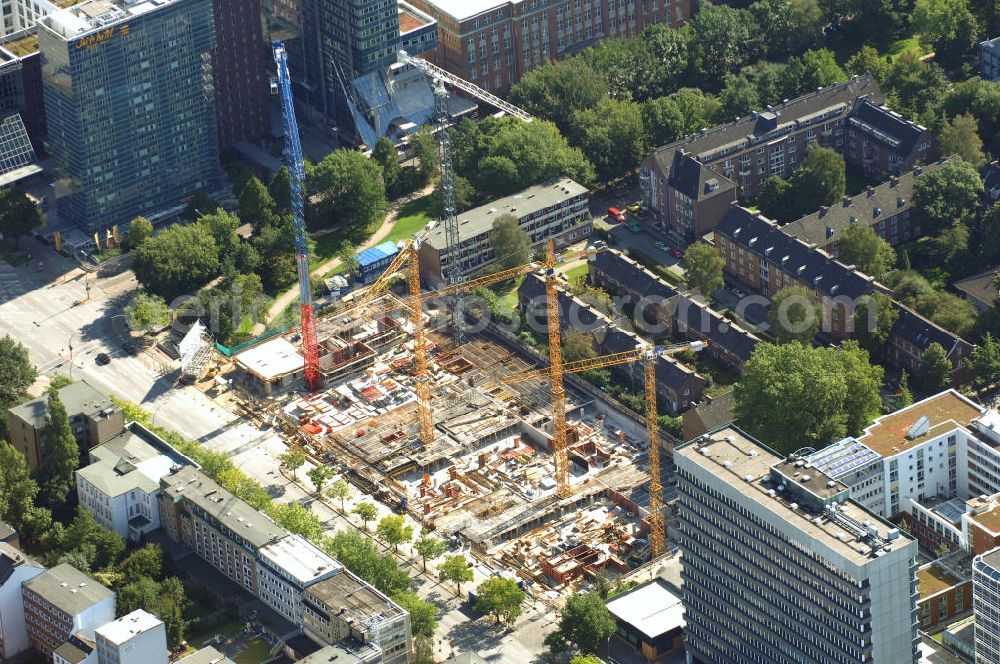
point(676, 253)
point(662, 246)
point(103, 359)
point(614, 214)
point(635, 207)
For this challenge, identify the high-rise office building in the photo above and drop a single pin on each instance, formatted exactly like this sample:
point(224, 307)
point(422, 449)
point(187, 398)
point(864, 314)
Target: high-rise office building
point(129, 100)
point(240, 66)
point(986, 606)
point(781, 566)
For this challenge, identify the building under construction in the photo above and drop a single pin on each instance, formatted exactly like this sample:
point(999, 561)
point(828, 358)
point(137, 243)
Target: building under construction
point(487, 479)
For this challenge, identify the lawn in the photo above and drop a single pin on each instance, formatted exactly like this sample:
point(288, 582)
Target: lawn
point(902, 46)
point(578, 271)
point(254, 651)
point(412, 217)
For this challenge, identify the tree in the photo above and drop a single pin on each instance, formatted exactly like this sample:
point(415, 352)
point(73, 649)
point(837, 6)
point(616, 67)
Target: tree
point(146, 561)
point(140, 230)
point(949, 311)
point(789, 26)
point(703, 269)
point(256, 202)
point(611, 135)
point(510, 244)
point(177, 261)
point(297, 518)
point(773, 199)
point(739, 96)
point(538, 153)
point(84, 533)
point(501, 597)
point(869, 61)
point(577, 345)
point(558, 89)
point(17, 495)
point(873, 320)
point(909, 286)
point(794, 316)
point(724, 39)
point(794, 396)
point(455, 569)
point(393, 529)
point(904, 397)
point(985, 361)
point(426, 150)
point(319, 475)
point(170, 609)
point(948, 194)
point(340, 490)
point(820, 180)
point(367, 512)
point(280, 188)
point(917, 86)
point(18, 214)
point(59, 381)
point(16, 372)
point(947, 26)
point(199, 205)
point(61, 453)
point(349, 260)
point(662, 121)
point(960, 136)
point(990, 225)
point(934, 372)
point(429, 548)
point(860, 246)
point(385, 155)
point(143, 593)
point(351, 192)
point(275, 244)
point(147, 313)
point(359, 554)
point(585, 623)
point(423, 615)
point(291, 460)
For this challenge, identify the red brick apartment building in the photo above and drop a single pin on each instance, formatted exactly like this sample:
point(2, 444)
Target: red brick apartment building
point(493, 43)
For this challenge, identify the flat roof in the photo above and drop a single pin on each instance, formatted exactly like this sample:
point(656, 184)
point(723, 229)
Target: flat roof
point(302, 560)
point(992, 558)
point(887, 435)
point(374, 254)
point(354, 598)
point(75, 649)
point(933, 578)
point(129, 626)
point(477, 221)
point(989, 519)
point(460, 10)
point(745, 464)
point(651, 609)
point(207, 655)
point(842, 457)
point(68, 589)
point(191, 484)
point(272, 359)
point(134, 459)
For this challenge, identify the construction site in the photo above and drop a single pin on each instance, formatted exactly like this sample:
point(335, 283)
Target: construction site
point(487, 476)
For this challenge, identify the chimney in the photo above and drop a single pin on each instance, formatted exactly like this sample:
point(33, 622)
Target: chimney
point(893, 181)
point(846, 201)
point(823, 210)
point(871, 191)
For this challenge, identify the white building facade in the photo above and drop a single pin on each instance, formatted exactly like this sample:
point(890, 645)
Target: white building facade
point(136, 638)
point(15, 569)
point(286, 568)
point(986, 606)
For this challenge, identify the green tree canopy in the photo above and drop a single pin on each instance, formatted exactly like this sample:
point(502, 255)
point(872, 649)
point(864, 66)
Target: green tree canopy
point(428, 153)
point(393, 529)
point(367, 512)
point(351, 192)
point(820, 180)
point(256, 202)
point(860, 246)
point(873, 320)
point(340, 490)
point(794, 316)
point(17, 373)
point(703, 269)
point(500, 597)
point(147, 313)
point(423, 615)
point(584, 623)
point(456, 569)
point(429, 548)
point(280, 189)
point(539, 153)
point(724, 39)
point(291, 460)
point(662, 121)
point(18, 214)
point(140, 230)
point(985, 361)
point(794, 396)
point(948, 194)
point(359, 554)
point(17, 495)
point(319, 476)
point(384, 154)
point(177, 261)
point(947, 26)
point(934, 372)
point(960, 136)
point(61, 454)
point(275, 245)
point(146, 561)
point(789, 26)
point(511, 245)
point(558, 89)
point(201, 204)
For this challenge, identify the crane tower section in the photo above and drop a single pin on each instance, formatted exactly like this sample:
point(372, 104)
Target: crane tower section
point(297, 176)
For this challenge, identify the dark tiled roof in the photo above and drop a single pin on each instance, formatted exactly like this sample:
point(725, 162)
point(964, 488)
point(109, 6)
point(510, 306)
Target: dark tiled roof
point(668, 372)
point(6, 531)
point(886, 126)
point(713, 413)
point(824, 226)
point(839, 98)
point(696, 181)
point(980, 286)
point(719, 331)
point(623, 269)
point(812, 267)
point(917, 330)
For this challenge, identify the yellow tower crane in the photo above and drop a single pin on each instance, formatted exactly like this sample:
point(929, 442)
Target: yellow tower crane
point(645, 353)
point(408, 256)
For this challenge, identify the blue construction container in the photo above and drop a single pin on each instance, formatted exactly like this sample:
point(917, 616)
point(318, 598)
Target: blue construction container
point(373, 262)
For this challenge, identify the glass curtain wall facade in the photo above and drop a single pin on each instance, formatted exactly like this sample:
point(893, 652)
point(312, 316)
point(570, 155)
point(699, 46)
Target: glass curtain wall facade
point(130, 106)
